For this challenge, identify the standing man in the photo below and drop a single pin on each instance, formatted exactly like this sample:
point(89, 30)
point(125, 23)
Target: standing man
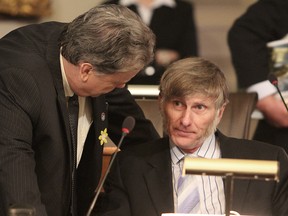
point(43, 163)
point(263, 22)
point(146, 179)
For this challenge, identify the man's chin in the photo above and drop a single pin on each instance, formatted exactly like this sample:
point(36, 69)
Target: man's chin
point(183, 141)
point(94, 96)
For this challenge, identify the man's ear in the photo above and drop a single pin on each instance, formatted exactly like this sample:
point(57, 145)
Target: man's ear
point(159, 102)
point(85, 71)
point(220, 112)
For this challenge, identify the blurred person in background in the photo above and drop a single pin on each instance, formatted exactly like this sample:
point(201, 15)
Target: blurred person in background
point(173, 23)
point(264, 21)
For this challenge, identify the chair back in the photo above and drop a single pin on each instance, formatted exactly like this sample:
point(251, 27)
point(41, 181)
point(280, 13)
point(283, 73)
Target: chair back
point(236, 120)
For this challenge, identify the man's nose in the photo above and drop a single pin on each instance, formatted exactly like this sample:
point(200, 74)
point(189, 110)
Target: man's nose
point(186, 117)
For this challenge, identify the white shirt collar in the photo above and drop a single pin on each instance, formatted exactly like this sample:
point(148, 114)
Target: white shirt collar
point(176, 153)
point(209, 149)
point(67, 90)
point(156, 3)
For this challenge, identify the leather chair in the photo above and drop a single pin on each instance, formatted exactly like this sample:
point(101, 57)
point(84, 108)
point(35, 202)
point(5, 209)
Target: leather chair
point(236, 120)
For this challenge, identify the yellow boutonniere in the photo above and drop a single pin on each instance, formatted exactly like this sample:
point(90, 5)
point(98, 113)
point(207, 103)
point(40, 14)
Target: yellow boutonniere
point(103, 137)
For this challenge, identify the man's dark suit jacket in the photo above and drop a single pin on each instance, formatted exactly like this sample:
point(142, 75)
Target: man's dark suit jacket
point(35, 144)
point(140, 182)
point(263, 22)
point(175, 29)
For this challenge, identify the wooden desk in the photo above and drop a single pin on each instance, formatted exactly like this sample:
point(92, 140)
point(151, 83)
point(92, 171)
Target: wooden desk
point(107, 153)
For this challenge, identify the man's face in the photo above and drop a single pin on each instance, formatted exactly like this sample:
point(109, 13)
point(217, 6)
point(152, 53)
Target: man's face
point(190, 120)
point(85, 81)
point(99, 84)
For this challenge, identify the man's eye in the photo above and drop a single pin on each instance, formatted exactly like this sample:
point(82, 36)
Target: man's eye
point(177, 103)
point(200, 107)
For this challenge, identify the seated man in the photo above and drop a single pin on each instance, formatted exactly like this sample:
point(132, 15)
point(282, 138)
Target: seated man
point(144, 181)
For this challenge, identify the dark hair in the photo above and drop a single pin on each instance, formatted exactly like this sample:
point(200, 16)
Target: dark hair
point(110, 37)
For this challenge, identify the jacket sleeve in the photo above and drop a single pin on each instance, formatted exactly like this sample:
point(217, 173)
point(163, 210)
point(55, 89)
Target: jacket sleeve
point(188, 44)
point(280, 197)
point(18, 181)
point(263, 22)
point(120, 105)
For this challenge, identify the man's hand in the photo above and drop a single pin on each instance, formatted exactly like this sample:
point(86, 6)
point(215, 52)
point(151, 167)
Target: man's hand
point(164, 57)
point(273, 110)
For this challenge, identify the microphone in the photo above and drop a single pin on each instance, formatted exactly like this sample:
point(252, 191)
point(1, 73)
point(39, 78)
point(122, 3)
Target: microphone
point(127, 126)
point(274, 81)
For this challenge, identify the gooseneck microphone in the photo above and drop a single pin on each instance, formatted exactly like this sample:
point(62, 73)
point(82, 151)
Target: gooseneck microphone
point(127, 127)
point(274, 81)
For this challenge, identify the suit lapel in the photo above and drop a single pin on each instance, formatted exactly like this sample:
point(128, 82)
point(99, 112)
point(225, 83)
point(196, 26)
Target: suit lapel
point(159, 181)
point(100, 116)
point(100, 123)
point(53, 59)
point(240, 186)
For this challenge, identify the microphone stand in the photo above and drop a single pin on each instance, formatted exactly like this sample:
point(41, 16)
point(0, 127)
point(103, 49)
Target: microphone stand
point(100, 185)
point(229, 193)
point(127, 127)
point(274, 81)
point(281, 96)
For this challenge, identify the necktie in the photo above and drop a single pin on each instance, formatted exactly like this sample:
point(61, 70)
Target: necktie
point(73, 109)
point(188, 194)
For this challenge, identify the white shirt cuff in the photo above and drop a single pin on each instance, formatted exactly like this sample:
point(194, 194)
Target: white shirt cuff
point(263, 89)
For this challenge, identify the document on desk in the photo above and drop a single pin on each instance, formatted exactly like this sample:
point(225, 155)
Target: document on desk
point(279, 63)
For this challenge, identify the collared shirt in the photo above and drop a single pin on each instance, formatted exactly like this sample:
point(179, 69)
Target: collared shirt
point(85, 113)
point(263, 89)
point(147, 12)
point(211, 188)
